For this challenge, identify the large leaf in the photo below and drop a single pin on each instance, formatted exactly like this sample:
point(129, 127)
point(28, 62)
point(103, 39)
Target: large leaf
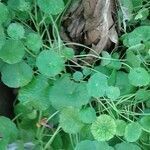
point(51, 6)
point(35, 93)
point(104, 128)
point(12, 51)
point(95, 145)
point(16, 75)
point(68, 93)
point(97, 85)
point(70, 121)
point(4, 13)
point(49, 63)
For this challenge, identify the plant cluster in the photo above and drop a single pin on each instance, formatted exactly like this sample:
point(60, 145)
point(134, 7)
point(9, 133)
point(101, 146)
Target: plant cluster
point(62, 104)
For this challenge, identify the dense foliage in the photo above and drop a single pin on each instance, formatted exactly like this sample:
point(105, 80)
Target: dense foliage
point(65, 105)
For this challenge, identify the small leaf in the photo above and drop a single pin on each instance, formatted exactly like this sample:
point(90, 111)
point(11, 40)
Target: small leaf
point(4, 13)
point(12, 51)
point(97, 85)
point(139, 77)
point(106, 58)
point(142, 95)
point(16, 31)
point(121, 125)
point(142, 14)
point(70, 121)
point(95, 145)
point(104, 128)
point(16, 75)
point(77, 76)
point(68, 53)
point(125, 146)
point(33, 42)
point(113, 92)
point(51, 6)
point(49, 63)
point(132, 132)
point(87, 115)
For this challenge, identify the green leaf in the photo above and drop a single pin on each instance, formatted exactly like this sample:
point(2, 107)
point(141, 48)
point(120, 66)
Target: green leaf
point(113, 92)
point(16, 75)
point(51, 6)
point(36, 94)
point(145, 123)
point(70, 121)
point(104, 128)
point(97, 85)
point(4, 13)
point(125, 146)
point(120, 129)
point(12, 51)
point(142, 95)
point(132, 132)
point(106, 58)
point(68, 53)
point(33, 42)
point(8, 130)
point(95, 145)
point(87, 115)
point(78, 76)
point(68, 93)
point(122, 82)
point(16, 31)
point(139, 77)
point(2, 37)
point(49, 63)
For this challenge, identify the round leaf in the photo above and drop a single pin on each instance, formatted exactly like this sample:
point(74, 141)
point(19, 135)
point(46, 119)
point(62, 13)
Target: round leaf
point(121, 125)
point(87, 115)
point(70, 121)
point(4, 13)
point(51, 6)
point(104, 128)
point(33, 42)
point(16, 31)
point(139, 77)
point(68, 93)
point(145, 123)
point(12, 51)
point(97, 85)
point(113, 92)
point(16, 75)
point(49, 63)
point(132, 132)
point(77, 76)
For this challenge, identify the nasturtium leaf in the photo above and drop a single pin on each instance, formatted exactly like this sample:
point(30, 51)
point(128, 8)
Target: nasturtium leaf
point(86, 71)
point(67, 53)
point(139, 77)
point(70, 121)
point(35, 93)
point(16, 75)
point(120, 129)
point(51, 6)
point(68, 93)
point(49, 63)
point(142, 14)
point(8, 130)
point(16, 31)
point(137, 48)
point(87, 115)
point(12, 51)
point(4, 13)
point(78, 76)
point(106, 58)
point(104, 128)
point(145, 123)
point(122, 82)
point(95, 145)
point(113, 92)
point(112, 78)
point(132, 132)
point(33, 42)
point(2, 36)
point(125, 146)
point(97, 85)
